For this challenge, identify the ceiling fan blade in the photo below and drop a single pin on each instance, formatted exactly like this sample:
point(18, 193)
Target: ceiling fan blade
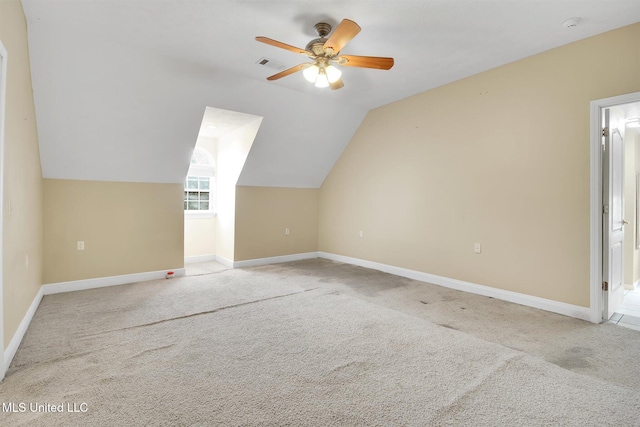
point(347, 29)
point(288, 71)
point(377, 62)
point(285, 46)
point(338, 84)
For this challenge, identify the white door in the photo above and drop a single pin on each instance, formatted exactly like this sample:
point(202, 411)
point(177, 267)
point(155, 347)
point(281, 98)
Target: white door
point(612, 218)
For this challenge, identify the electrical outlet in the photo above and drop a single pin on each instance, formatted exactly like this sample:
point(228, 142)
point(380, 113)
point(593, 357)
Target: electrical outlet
point(286, 231)
point(477, 248)
point(361, 233)
point(81, 245)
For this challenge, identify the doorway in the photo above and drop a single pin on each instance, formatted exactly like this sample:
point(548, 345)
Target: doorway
point(3, 86)
point(615, 209)
point(626, 119)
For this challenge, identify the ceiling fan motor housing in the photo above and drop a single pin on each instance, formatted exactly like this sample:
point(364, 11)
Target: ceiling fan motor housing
point(323, 29)
point(316, 46)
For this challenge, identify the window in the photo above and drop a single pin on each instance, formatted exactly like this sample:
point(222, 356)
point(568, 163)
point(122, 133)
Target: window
point(199, 185)
point(197, 193)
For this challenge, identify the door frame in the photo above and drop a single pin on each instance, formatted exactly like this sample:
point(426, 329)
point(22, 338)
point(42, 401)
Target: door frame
point(595, 274)
point(3, 96)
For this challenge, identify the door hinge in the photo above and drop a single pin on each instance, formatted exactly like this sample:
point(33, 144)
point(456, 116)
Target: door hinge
point(605, 131)
point(605, 209)
point(605, 286)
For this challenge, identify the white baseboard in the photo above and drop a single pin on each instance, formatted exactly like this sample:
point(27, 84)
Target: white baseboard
point(224, 261)
point(199, 258)
point(274, 260)
point(12, 348)
point(570, 310)
point(100, 282)
point(263, 261)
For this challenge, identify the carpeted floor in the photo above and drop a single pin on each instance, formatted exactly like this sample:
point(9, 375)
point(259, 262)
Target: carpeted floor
point(315, 343)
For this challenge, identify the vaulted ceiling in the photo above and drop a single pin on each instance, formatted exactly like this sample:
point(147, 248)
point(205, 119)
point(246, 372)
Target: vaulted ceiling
point(120, 86)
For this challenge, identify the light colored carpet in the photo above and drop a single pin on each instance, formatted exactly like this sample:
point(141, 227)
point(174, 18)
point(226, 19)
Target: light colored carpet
point(606, 352)
point(285, 345)
point(200, 268)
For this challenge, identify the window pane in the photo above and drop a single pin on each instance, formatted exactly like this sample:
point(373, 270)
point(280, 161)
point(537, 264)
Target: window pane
point(194, 199)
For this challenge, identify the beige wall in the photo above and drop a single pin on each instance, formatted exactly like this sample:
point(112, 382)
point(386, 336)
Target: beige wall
point(22, 214)
point(127, 228)
point(500, 158)
point(263, 214)
point(199, 236)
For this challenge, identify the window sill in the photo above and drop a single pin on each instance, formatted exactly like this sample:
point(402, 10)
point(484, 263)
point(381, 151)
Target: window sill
point(200, 214)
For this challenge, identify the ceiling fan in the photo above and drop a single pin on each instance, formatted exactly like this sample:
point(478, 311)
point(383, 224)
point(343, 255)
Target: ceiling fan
point(325, 53)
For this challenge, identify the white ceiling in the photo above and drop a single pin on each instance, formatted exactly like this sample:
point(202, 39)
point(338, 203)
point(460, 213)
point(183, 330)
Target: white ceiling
point(121, 86)
point(217, 122)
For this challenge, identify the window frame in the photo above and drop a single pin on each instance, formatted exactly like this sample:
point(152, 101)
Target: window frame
point(200, 191)
point(202, 166)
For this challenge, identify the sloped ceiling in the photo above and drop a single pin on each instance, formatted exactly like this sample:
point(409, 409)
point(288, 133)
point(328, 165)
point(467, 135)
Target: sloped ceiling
point(121, 86)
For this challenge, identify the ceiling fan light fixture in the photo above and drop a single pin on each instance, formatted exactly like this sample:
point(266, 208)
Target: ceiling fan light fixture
point(333, 74)
point(322, 80)
point(311, 73)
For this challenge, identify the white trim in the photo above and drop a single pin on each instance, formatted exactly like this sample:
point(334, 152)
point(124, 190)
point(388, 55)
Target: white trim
point(515, 297)
point(274, 260)
point(199, 214)
point(595, 179)
point(224, 261)
point(100, 282)
point(4, 362)
point(199, 258)
point(11, 350)
point(595, 214)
